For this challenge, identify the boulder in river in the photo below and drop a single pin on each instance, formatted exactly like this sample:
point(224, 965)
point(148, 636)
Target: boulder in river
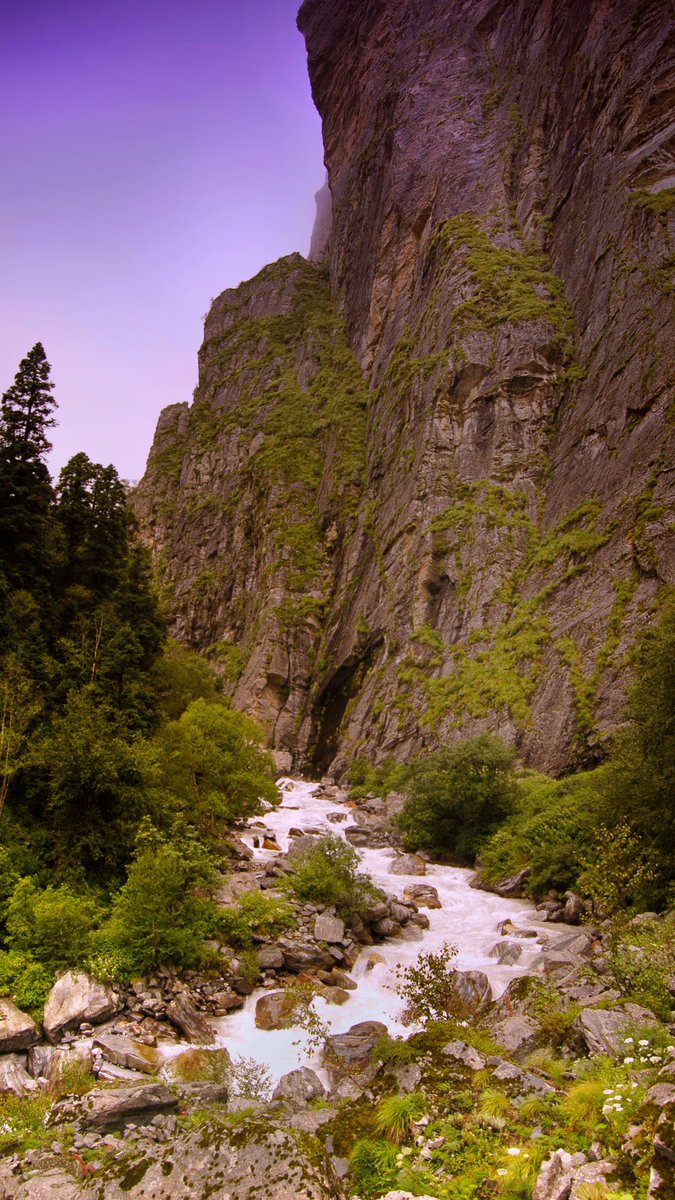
point(355, 1045)
point(506, 953)
point(74, 998)
point(423, 895)
point(473, 994)
point(184, 1016)
point(408, 864)
point(18, 1031)
point(274, 1010)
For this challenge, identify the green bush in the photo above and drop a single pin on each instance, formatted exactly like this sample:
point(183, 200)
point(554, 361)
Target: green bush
point(427, 986)
point(164, 911)
point(457, 796)
point(550, 830)
point(643, 961)
point(373, 1167)
point(389, 776)
point(328, 873)
point(28, 982)
point(53, 926)
point(256, 913)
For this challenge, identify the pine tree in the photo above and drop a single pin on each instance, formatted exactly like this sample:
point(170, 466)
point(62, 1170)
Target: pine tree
point(25, 487)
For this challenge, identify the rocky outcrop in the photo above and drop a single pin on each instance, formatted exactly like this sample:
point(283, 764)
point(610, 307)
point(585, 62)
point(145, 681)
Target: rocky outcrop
point(478, 550)
point(74, 998)
point(18, 1030)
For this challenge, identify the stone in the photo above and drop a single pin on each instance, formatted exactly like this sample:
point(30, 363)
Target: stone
point(184, 1016)
point(355, 1045)
point(506, 953)
point(14, 1077)
point(53, 1184)
point(328, 929)
point(423, 895)
point(513, 885)
point(587, 1176)
point(603, 1030)
point(408, 1077)
point(521, 1082)
point(301, 956)
point(18, 1030)
point(126, 1052)
point(105, 1111)
point(555, 1177)
point(408, 864)
point(275, 1010)
point(461, 1052)
point(518, 1033)
point(299, 1087)
point(574, 908)
point(74, 998)
point(473, 993)
point(270, 958)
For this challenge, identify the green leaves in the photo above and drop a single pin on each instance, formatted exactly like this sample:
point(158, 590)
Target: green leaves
point(457, 796)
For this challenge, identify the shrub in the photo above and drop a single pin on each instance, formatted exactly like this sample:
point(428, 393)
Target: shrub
point(643, 961)
point(427, 986)
point(162, 915)
point(373, 1167)
point(256, 913)
point(202, 1066)
point(53, 926)
point(363, 778)
point(28, 982)
point(328, 873)
point(457, 796)
point(394, 1114)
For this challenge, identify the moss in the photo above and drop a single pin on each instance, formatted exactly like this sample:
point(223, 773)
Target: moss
point(661, 203)
point(510, 283)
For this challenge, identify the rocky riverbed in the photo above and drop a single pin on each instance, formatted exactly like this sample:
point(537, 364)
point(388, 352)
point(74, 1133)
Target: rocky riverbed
point(167, 1116)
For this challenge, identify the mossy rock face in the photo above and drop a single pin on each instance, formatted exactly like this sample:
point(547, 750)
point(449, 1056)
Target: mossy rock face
point(248, 1159)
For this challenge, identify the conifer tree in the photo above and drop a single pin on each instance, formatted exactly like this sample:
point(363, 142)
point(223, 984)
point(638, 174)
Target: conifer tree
point(25, 488)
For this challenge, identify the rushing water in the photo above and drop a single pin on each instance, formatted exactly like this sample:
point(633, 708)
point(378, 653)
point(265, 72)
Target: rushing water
point(468, 919)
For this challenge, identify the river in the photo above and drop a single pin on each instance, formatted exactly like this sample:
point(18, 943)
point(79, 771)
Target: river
point(468, 919)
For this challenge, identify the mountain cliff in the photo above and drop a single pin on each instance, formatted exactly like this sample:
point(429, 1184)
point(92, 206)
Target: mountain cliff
point(426, 483)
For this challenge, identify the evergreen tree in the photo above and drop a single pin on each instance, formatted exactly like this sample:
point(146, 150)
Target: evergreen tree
point(25, 488)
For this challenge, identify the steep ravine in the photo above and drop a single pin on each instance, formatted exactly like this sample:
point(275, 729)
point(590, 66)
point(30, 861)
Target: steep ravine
point(432, 492)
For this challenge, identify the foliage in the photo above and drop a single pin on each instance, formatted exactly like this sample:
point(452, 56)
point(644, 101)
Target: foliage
point(164, 912)
point(642, 959)
point(327, 873)
point(363, 777)
point(53, 925)
point(457, 796)
point(257, 913)
point(28, 982)
point(394, 1114)
point(427, 986)
point(373, 1167)
point(250, 1080)
point(211, 769)
point(202, 1066)
point(22, 1122)
point(182, 676)
point(550, 827)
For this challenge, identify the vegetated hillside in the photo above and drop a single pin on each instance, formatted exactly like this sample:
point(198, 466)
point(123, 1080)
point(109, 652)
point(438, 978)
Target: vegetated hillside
point(431, 493)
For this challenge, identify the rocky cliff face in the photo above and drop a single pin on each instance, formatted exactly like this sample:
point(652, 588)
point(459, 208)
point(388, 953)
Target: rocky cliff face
point(433, 494)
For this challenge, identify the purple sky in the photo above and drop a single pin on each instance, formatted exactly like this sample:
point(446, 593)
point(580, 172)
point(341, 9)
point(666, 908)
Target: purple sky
point(153, 153)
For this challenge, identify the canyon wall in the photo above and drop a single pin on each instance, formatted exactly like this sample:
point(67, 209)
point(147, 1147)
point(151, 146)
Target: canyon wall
point(425, 487)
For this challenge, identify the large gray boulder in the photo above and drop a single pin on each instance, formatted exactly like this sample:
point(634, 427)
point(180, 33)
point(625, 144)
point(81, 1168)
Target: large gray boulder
point(274, 1010)
point(53, 1063)
point(473, 993)
point(468, 1055)
point(55, 1184)
point(74, 998)
point(355, 1045)
point(299, 1087)
point(604, 1030)
point(507, 953)
point(255, 1160)
point(184, 1016)
point(18, 1031)
point(14, 1077)
point(126, 1052)
point(328, 929)
point(106, 1111)
point(302, 956)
